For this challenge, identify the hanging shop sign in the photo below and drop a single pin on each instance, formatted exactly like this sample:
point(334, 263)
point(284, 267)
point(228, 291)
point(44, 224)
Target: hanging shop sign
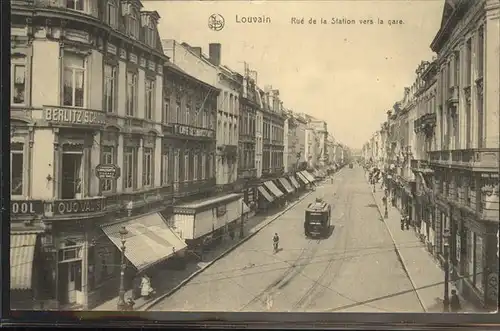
point(107, 171)
point(192, 131)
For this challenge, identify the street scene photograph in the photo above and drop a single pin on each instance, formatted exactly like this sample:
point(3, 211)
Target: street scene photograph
point(254, 156)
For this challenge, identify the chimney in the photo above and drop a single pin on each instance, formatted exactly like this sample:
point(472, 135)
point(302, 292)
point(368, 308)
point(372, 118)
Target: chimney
point(214, 50)
point(197, 51)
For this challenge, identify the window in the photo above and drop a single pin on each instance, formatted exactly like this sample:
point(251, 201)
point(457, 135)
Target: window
point(147, 167)
point(107, 158)
point(456, 71)
point(75, 4)
point(195, 166)
point(133, 25)
point(468, 62)
point(150, 98)
point(186, 165)
point(164, 168)
point(187, 117)
point(166, 110)
point(480, 52)
point(151, 35)
point(16, 169)
point(18, 74)
point(176, 166)
point(129, 167)
point(109, 88)
point(112, 13)
point(74, 80)
point(178, 113)
point(131, 93)
point(203, 162)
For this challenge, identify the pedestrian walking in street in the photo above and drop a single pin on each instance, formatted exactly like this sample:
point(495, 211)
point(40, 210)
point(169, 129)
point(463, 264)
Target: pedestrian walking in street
point(455, 302)
point(407, 221)
point(403, 221)
point(146, 288)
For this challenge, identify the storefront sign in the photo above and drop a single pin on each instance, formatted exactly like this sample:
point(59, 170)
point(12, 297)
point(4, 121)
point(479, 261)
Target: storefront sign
point(194, 132)
point(26, 207)
point(74, 116)
point(107, 171)
point(70, 207)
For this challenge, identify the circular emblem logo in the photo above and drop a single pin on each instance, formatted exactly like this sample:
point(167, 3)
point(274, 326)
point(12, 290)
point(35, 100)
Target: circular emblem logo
point(216, 22)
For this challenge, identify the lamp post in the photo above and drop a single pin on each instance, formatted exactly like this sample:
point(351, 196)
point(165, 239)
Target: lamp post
point(121, 297)
point(446, 298)
point(386, 212)
point(242, 215)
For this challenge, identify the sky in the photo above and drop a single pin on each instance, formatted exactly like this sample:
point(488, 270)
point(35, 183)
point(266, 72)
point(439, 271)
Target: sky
point(348, 75)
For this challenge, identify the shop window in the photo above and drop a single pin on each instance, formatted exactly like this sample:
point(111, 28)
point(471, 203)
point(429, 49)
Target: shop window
point(107, 158)
point(18, 76)
point(131, 93)
point(110, 88)
point(16, 169)
point(147, 179)
point(164, 168)
point(75, 4)
point(74, 80)
point(150, 99)
point(130, 167)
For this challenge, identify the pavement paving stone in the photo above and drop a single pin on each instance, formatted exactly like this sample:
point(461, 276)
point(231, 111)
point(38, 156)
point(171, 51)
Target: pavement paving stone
point(172, 278)
point(425, 274)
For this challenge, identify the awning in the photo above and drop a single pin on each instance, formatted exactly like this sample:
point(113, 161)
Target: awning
point(22, 254)
point(274, 189)
point(308, 176)
point(266, 195)
point(286, 185)
point(294, 182)
point(149, 240)
point(209, 201)
point(303, 178)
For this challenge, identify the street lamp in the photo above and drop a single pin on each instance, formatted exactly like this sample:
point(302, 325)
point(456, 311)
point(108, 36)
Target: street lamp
point(121, 297)
point(446, 298)
point(386, 212)
point(242, 203)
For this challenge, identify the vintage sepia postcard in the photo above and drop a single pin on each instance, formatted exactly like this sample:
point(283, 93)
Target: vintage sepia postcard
point(254, 156)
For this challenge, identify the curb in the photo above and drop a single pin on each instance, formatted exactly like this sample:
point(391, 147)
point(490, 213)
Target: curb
point(227, 251)
point(396, 249)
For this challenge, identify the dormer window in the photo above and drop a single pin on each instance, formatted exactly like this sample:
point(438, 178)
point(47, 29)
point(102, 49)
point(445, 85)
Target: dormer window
point(133, 24)
point(111, 13)
point(150, 35)
point(75, 4)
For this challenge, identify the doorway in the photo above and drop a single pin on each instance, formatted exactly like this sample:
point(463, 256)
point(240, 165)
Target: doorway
point(70, 282)
point(72, 175)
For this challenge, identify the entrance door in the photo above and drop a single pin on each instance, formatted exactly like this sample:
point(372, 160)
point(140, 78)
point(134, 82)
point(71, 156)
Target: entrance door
point(74, 281)
point(71, 175)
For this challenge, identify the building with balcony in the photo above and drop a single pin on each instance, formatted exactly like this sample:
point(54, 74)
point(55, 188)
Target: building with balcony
point(86, 149)
point(465, 153)
point(208, 107)
point(273, 123)
point(247, 165)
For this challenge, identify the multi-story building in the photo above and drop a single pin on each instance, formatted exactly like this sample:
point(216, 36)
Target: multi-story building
point(311, 147)
point(273, 122)
point(86, 147)
point(213, 217)
point(259, 136)
point(248, 140)
point(321, 133)
point(465, 154)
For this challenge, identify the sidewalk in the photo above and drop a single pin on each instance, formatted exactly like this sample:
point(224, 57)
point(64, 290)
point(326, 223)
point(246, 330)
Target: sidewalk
point(425, 274)
point(171, 280)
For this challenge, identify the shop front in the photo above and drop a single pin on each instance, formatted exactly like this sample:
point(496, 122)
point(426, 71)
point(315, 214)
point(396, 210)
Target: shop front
point(204, 223)
point(308, 176)
point(294, 183)
point(304, 180)
point(278, 194)
point(286, 186)
point(265, 198)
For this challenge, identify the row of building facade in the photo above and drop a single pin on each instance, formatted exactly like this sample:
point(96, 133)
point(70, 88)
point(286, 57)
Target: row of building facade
point(439, 148)
point(112, 126)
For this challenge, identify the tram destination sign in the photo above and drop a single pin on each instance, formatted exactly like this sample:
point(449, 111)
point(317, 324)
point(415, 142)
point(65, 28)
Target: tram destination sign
point(107, 171)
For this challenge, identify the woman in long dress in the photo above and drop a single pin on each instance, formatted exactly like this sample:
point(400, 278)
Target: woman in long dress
point(146, 288)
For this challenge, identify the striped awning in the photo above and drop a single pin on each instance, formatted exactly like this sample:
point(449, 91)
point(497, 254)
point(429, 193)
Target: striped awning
point(264, 193)
point(274, 189)
point(149, 240)
point(22, 254)
point(308, 176)
point(294, 182)
point(286, 185)
point(303, 178)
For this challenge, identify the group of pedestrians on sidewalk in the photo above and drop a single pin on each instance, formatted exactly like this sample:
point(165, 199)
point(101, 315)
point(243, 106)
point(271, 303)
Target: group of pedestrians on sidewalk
point(426, 276)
